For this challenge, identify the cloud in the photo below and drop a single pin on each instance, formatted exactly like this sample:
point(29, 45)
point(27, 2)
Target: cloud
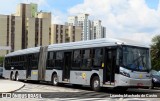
point(58, 17)
point(39, 2)
point(42, 4)
point(131, 19)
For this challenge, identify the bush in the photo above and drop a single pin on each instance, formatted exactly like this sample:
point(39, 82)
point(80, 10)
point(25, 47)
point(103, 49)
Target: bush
point(1, 60)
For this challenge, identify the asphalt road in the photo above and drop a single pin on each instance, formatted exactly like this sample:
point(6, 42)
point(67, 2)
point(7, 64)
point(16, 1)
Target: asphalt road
point(70, 91)
point(47, 92)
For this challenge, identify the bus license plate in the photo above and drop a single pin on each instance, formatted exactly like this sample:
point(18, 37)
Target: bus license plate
point(139, 84)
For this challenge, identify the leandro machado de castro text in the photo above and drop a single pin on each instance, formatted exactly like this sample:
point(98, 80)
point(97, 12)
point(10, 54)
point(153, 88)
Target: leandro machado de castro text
point(134, 95)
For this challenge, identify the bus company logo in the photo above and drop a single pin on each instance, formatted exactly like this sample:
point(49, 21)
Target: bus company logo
point(18, 95)
point(83, 75)
point(6, 95)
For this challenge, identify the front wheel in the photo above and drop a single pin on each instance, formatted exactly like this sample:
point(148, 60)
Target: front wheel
point(17, 77)
point(55, 80)
point(95, 84)
point(11, 76)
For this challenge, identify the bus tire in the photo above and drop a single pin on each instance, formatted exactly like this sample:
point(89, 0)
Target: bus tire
point(11, 76)
point(95, 83)
point(55, 80)
point(17, 77)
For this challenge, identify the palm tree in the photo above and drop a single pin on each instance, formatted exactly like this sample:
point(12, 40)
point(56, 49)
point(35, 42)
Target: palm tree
point(155, 52)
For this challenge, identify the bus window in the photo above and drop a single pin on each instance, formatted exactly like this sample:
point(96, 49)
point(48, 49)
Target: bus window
point(76, 59)
point(86, 60)
point(7, 64)
point(97, 57)
point(35, 61)
point(59, 60)
point(50, 62)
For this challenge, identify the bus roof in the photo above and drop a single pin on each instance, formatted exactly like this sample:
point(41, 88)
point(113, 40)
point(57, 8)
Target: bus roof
point(82, 44)
point(24, 51)
point(95, 43)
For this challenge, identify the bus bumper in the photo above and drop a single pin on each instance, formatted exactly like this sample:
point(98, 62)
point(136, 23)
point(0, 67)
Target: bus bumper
point(132, 82)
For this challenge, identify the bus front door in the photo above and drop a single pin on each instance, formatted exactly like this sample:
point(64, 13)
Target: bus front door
point(109, 70)
point(67, 66)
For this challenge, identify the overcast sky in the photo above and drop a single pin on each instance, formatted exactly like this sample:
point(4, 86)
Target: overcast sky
point(132, 19)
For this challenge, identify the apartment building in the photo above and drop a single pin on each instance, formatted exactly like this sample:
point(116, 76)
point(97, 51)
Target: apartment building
point(83, 21)
point(10, 33)
point(24, 29)
point(90, 29)
point(65, 33)
point(98, 31)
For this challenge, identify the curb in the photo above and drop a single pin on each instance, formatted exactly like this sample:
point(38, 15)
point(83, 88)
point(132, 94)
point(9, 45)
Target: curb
point(13, 90)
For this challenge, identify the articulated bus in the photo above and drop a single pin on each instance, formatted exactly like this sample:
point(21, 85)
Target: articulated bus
point(97, 63)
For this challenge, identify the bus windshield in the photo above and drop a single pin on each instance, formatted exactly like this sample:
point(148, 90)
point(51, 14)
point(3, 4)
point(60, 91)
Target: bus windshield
point(135, 58)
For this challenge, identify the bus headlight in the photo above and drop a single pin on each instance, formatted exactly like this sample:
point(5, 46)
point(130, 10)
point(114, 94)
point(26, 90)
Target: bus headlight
point(155, 80)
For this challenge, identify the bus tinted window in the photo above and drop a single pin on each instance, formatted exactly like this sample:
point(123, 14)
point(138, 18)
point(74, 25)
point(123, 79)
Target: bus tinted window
point(98, 57)
point(50, 62)
point(35, 61)
point(59, 60)
point(86, 60)
point(51, 55)
point(76, 59)
point(59, 56)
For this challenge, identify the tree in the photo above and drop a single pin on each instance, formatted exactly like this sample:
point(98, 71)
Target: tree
point(155, 52)
point(1, 60)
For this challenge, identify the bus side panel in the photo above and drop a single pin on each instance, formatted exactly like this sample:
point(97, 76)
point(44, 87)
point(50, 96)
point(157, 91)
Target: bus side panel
point(22, 74)
point(48, 74)
point(34, 74)
point(6, 73)
point(83, 77)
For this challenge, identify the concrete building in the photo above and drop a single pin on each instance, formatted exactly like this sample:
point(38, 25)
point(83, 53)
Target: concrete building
point(24, 29)
point(36, 26)
point(83, 21)
point(4, 32)
point(91, 29)
point(65, 33)
point(10, 32)
point(98, 31)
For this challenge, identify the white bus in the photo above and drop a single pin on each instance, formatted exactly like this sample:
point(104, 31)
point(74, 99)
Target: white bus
point(98, 63)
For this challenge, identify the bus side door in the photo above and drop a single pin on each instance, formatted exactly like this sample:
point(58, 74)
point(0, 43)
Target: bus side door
point(67, 65)
point(110, 61)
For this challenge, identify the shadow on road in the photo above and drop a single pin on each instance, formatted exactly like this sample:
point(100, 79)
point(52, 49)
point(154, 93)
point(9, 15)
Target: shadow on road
point(103, 89)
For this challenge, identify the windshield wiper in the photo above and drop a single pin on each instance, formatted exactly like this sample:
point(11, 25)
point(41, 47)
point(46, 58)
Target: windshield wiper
point(137, 59)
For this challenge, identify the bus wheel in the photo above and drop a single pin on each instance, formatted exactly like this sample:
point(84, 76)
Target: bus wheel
point(11, 76)
point(17, 77)
point(95, 83)
point(55, 80)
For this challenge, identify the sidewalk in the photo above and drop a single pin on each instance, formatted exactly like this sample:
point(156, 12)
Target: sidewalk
point(10, 86)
